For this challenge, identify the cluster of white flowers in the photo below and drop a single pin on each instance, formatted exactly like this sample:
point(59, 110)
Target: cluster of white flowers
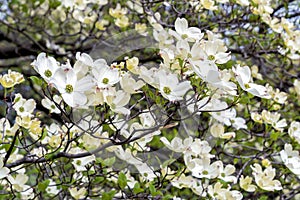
point(271, 118)
point(87, 83)
point(195, 73)
point(185, 53)
point(294, 131)
point(197, 159)
point(264, 178)
point(291, 159)
point(93, 82)
point(263, 8)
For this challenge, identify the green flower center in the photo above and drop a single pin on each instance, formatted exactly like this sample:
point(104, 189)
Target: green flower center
point(223, 175)
point(167, 90)
point(69, 88)
point(78, 162)
point(21, 109)
point(48, 73)
point(205, 172)
point(211, 57)
point(105, 80)
point(184, 36)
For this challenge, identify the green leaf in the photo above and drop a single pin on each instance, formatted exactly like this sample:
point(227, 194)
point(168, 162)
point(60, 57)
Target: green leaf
point(98, 179)
point(153, 190)
point(137, 188)
point(274, 135)
point(167, 197)
point(109, 161)
point(37, 81)
point(264, 197)
point(122, 180)
point(253, 18)
point(235, 160)
point(43, 185)
point(54, 3)
point(180, 62)
point(108, 195)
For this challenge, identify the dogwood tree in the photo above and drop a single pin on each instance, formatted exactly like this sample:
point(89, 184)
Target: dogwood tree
point(193, 99)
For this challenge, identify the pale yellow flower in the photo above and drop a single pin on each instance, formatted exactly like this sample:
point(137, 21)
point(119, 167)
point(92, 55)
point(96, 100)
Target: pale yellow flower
point(132, 65)
point(256, 117)
point(265, 163)
point(246, 184)
point(35, 127)
point(255, 73)
point(117, 12)
point(24, 121)
point(208, 4)
point(11, 79)
point(141, 28)
point(122, 22)
point(101, 24)
point(264, 178)
point(77, 194)
point(217, 130)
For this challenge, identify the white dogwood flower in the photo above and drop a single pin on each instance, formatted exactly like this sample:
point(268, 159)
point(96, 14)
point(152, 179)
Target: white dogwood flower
point(246, 184)
point(202, 168)
point(23, 107)
point(4, 171)
point(77, 194)
point(6, 129)
point(177, 144)
point(184, 181)
point(217, 191)
point(52, 188)
point(50, 105)
point(209, 4)
point(212, 52)
point(72, 89)
point(130, 85)
point(291, 159)
point(217, 130)
point(19, 182)
point(243, 76)
point(184, 32)
point(119, 101)
point(80, 163)
point(294, 130)
point(264, 179)
point(170, 87)
point(226, 173)
point(273, 119)
point(105, 76)
point(45, 66)
point(11, 79)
